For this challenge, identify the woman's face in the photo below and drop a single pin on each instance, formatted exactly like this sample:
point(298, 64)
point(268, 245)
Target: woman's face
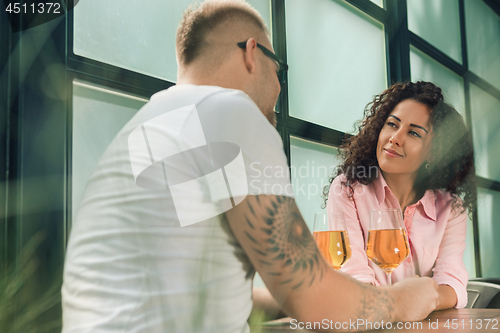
point(405, 141)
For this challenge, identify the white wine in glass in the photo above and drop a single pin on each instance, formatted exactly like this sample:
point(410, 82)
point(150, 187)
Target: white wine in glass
point(387, 244)
point(332, 239)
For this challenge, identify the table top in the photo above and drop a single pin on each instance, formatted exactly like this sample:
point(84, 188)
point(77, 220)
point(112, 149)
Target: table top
point(451, 320)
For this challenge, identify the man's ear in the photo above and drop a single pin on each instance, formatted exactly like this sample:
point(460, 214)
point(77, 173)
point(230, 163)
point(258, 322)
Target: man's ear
point(250, 56)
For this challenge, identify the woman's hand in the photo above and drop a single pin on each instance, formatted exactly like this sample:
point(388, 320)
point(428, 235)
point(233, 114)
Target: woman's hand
point(417, 297)
point(447, 297)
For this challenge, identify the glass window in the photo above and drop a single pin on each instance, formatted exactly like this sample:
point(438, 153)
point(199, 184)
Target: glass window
point(425, 68)
point(98, 115)
point(469, 254)
point(311, 167)
point(337, 62)
point(136, 35)
point(489, 231)
point(483, 40)
point(485, 125)
point(438, 22)
point(379, 3)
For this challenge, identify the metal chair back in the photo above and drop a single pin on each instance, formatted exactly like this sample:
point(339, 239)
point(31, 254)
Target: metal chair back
point(483, 295)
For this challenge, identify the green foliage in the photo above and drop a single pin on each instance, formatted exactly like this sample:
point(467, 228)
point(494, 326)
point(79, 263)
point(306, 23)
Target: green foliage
point(17, 315)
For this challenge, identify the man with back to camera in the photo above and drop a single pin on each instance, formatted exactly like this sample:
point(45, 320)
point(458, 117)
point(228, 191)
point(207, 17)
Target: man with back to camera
point(141, 256)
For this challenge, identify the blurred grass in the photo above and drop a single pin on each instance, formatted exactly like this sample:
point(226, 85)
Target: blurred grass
point(257, 318)
point(16, 317)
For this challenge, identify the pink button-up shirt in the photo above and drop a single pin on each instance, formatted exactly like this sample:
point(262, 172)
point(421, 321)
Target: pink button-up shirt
point(436, 234)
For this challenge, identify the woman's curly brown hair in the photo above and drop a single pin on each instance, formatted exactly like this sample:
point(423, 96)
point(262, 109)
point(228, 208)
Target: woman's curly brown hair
point(451, 166)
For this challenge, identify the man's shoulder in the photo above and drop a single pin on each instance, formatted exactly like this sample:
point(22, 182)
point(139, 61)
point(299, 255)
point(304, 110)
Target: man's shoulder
point(228, 100)
point(226, 105)
point(199, 94)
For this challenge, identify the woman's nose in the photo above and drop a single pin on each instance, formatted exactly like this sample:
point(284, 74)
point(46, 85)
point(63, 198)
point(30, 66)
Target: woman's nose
point(396, 140)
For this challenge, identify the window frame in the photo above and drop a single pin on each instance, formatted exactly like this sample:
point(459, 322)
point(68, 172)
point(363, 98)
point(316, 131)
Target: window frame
point(394, 17)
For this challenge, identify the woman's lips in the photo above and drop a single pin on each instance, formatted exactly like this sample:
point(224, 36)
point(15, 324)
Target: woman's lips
point(392, 153)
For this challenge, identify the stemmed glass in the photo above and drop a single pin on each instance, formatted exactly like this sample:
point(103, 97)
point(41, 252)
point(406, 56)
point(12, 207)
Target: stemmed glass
point(387, 244)
point(332, 239)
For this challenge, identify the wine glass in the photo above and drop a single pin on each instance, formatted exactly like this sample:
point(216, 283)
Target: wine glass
point(332, 239)
point(387, 244)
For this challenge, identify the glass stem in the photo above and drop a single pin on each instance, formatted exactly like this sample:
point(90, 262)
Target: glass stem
point(389, 280)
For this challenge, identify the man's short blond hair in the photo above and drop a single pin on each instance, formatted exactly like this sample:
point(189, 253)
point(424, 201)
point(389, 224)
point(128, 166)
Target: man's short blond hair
point(199, 20)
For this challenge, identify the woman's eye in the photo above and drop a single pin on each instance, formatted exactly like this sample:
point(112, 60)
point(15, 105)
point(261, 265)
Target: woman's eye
point(391, 124)
point(415, 134)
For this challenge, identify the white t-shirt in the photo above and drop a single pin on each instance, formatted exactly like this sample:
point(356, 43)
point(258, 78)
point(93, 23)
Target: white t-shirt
point(130, 265)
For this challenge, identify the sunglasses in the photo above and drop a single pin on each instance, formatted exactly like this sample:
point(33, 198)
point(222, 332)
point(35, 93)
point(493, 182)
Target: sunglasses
point(282, 66)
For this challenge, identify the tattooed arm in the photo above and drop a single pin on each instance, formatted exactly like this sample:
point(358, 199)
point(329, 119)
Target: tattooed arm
point(275, 237)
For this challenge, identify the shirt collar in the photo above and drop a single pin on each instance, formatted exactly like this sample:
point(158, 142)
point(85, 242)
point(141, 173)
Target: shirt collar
point(428, 201)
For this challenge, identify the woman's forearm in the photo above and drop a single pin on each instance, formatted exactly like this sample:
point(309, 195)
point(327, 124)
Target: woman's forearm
point(447, 297)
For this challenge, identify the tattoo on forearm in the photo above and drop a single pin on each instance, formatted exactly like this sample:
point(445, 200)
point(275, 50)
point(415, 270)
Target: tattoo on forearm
point(287, 240)
point(376, 304)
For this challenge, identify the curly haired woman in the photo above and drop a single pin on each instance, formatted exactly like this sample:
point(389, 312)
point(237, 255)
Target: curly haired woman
point(412, 151)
